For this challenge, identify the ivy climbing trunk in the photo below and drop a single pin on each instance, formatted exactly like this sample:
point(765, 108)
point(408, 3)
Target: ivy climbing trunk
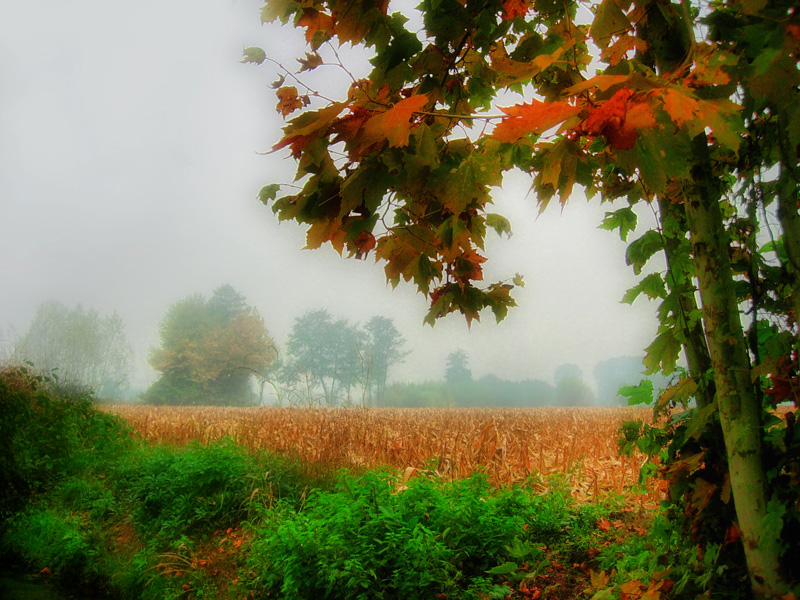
point(738, 407)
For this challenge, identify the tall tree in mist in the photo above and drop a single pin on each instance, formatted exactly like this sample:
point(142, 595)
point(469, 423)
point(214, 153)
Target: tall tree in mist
point(210, 351)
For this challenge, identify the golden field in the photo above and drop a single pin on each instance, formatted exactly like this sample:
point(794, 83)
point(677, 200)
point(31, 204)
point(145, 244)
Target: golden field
point(510, 445)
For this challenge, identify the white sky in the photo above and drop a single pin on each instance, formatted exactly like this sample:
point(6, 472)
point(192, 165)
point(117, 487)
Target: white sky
point(129, 171)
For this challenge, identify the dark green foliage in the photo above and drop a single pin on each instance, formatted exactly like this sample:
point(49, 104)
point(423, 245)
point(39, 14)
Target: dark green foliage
point(44, 436)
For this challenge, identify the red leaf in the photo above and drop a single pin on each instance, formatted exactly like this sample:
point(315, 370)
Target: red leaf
point(604, 524)
point(514, 8)
point(364, 243)
point(536, 117)
point(610, 114)
point(619, 121)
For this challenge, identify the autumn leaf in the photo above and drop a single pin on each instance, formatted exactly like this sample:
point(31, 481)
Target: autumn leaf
point(301, 130)
point(609, 21)
point(535, 117)
point(513, 71)
point(315, 21)
point(254, 55)
point(680, 106)
point(618, 121)
point(310, 62)
point(347, 127)
point(394, 124)
point(288, 100)
point(514, 8)
point(619, 49)
point(610, 114)
point(601, 82)
point(326, 230)
point(364, 243)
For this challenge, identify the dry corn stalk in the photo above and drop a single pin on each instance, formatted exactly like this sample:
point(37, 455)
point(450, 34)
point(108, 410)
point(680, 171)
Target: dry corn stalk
point(508, 444)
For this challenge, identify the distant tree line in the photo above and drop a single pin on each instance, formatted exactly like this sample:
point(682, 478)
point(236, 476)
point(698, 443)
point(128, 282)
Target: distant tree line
point(570, 390)
point(218, 351)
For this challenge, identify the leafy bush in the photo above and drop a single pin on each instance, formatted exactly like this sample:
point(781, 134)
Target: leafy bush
point(182, 490)
point(61, 543)
point(371, 539)
point(45, 436)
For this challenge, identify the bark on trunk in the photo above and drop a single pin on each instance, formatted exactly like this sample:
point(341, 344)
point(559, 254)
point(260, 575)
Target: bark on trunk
point(694, 347)
point(740, 413)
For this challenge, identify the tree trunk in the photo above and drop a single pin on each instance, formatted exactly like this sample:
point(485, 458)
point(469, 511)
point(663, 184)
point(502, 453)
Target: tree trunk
point(740, 413)
point(695, 347)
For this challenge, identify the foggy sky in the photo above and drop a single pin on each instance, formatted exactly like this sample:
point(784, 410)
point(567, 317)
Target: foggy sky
point(132, 146)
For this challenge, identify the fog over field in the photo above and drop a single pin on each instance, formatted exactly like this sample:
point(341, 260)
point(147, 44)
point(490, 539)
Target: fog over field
point(132, 145)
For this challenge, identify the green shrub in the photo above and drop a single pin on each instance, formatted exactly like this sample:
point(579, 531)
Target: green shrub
point(45, 436)
point(369, 540)
point(61, 543)
point(180, 490)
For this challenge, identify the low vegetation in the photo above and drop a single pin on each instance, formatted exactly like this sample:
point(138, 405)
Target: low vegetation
point(89, 502)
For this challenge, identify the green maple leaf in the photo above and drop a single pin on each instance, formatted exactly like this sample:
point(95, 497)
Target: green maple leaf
point(623, 219)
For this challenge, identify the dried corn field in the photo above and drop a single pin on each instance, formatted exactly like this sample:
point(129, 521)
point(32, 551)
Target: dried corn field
point(508, 444)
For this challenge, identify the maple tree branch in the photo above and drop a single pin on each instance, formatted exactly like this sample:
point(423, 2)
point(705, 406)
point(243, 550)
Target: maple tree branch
point(339, 62)
point(310, 91)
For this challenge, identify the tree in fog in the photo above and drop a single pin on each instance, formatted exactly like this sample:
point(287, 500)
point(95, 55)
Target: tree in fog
point(210, 351)
point(571, 389)
point(85, 351)
point(340, 358)
point(327, 349)
point(457, 368)
point(382, 349)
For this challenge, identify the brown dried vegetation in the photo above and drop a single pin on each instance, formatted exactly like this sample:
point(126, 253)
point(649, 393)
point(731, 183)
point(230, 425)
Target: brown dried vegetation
point(510, 445)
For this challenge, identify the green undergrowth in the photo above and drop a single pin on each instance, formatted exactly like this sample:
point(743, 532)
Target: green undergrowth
point(88, 503)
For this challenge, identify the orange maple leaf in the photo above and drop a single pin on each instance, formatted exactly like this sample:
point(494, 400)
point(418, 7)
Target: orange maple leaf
point(315, 21)
point(680, 107)
point(617, 51)
point(609, 114)
point(394, 124)
point(348, 126)
point(288, 100)
point(536, 117)
point(619, 121)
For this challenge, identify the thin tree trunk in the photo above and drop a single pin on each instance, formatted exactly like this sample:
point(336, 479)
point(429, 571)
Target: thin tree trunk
point(740, 413)
point(695, 347)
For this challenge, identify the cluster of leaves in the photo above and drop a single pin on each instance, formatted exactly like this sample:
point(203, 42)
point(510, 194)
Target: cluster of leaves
point(210, 351)
point(377, 537)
